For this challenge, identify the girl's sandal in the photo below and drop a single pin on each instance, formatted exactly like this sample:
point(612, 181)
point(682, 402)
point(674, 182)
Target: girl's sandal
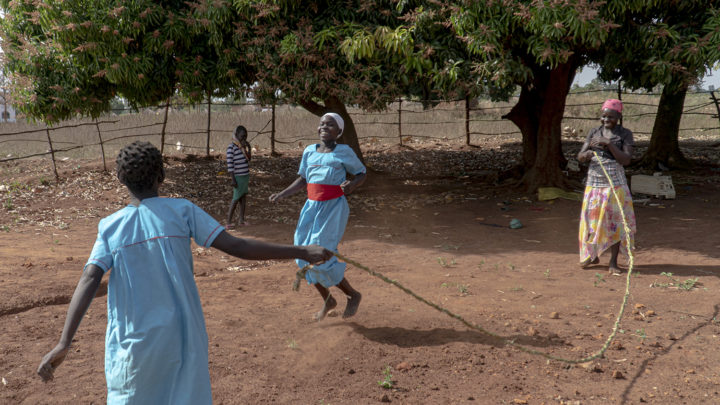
point(586, 263)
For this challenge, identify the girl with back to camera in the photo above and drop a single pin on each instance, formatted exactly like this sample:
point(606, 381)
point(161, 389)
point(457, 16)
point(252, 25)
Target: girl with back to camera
point(322, 221)
point(156, 343)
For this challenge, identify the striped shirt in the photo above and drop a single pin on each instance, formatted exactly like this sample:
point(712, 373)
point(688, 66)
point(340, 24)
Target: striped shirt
point(237, 164)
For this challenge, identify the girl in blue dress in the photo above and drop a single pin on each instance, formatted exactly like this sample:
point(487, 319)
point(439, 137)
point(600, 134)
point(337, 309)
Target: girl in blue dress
point(156, 345)
point(323, 219)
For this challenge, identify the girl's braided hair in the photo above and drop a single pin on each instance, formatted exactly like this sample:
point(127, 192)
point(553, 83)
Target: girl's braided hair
point(138, 165)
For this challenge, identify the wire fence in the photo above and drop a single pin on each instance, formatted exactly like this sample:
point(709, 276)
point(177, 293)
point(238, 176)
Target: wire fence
point(197, 129)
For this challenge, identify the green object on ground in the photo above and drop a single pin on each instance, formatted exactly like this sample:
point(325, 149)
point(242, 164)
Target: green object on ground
point(515, 223)
point(551, 193)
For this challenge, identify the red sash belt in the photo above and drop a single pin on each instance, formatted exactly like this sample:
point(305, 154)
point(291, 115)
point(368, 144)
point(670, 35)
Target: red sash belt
point(323, 192)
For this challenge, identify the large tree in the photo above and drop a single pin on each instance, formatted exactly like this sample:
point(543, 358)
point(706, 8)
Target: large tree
point(71, 57)
point(146, 51)
point(294, 47)
point(536, 45)
point(671, 44)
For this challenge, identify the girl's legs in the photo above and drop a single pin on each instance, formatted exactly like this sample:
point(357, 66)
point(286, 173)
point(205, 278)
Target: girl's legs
point(354, 298)
point(587, 262)
point(329, 302)
point(613, 267)
point(233, 204)
point(241, 211)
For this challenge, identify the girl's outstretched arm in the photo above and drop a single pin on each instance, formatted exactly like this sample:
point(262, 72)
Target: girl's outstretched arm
point(297, 185)
point(257, 250)
point(84, 293)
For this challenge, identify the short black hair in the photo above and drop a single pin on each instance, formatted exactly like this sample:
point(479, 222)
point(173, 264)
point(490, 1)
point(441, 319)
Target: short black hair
point(139, 164)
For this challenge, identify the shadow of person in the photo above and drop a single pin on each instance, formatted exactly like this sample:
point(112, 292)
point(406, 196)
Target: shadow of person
point(410, 338)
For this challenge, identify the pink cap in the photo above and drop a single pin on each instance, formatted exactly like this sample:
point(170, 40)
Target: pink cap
point(613, 104)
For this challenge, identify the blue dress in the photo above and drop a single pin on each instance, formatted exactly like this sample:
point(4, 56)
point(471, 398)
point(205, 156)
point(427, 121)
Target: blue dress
point(156, 345)
point(323, 222)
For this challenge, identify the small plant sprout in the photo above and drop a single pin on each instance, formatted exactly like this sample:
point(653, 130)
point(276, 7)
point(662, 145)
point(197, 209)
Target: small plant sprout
point(688, 284)
point(640, 333)
point(599, 278)
point(673, 282)
point(291, 343)
point(442, 262)
point(387, 381)
point(547, 273)
point(511, 267)
point(462, 288)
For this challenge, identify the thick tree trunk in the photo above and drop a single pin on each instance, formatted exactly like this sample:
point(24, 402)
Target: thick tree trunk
point(334, 104)
point(664, 146)
point(538, 114)
point(526, 116)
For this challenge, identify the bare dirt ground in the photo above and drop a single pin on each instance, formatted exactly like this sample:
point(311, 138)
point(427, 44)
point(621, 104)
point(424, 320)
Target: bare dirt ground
point(435, 219)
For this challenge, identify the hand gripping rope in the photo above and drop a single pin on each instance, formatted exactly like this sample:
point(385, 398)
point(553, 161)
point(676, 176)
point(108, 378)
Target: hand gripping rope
point(301, 274)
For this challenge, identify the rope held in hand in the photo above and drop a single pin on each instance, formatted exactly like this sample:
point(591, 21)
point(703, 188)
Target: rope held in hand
point(301, 274)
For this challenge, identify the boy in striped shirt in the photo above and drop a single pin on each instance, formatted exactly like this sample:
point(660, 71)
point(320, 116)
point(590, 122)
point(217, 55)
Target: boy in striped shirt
point(238, 159)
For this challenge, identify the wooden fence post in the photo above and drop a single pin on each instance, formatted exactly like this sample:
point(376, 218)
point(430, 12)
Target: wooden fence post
point(52, 155)
point(162, 131)
point(207, 143)
point(717, 105)
point(102, 147)
point(272, 130)
point(400, 121)
point(467, 120)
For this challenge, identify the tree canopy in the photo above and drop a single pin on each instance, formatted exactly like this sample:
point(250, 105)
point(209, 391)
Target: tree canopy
point(71, 57)
point(536, 45)
point(671, 44)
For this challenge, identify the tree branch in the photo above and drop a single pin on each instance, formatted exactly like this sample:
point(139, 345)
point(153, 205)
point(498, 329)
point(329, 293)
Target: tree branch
point(313, 107)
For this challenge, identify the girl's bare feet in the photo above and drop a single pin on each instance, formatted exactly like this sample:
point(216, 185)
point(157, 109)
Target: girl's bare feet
point(587, 262)
point(614, 270)
point(353, 303)
point(330, 303)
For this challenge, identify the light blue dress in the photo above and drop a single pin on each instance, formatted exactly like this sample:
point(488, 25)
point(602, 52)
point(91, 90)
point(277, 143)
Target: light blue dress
point(156, 345)
point(323, 222)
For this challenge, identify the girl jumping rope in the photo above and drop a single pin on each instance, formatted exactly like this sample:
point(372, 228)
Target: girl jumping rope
point(323, 219)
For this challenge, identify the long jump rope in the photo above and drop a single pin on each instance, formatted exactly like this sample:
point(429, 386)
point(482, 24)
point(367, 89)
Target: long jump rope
point(510, 342)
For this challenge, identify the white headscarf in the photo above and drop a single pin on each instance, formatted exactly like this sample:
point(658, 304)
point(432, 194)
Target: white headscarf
point(338, 120)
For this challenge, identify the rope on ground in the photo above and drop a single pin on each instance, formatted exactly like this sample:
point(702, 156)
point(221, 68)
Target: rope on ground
point(301, 274)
